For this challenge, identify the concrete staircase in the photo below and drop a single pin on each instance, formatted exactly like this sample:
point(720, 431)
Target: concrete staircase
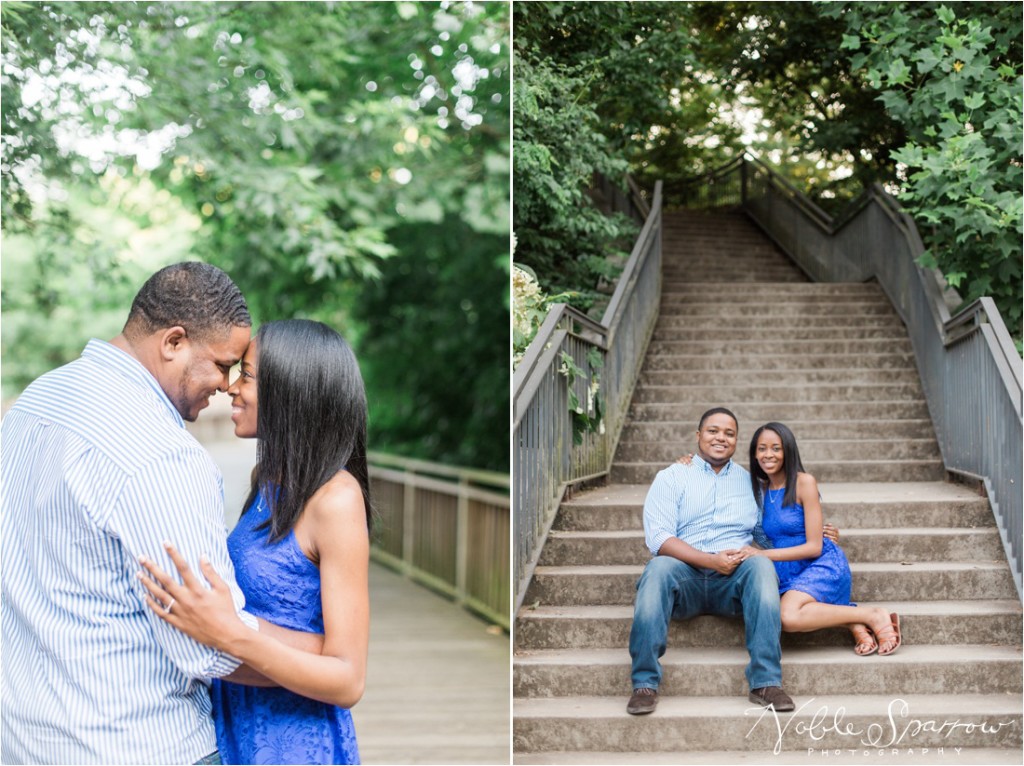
point(741, 327)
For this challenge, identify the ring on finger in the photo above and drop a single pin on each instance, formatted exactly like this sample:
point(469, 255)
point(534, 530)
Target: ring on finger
point(170, 603)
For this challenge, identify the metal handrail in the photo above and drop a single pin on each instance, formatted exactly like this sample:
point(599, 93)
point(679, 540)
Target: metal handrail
point(546, 461)
point(970, 369)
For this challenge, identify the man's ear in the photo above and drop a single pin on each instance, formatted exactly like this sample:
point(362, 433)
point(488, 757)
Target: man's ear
point(173, 341)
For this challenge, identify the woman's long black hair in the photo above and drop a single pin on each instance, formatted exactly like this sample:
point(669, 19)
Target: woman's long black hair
point(311, 420)
point(790, 463)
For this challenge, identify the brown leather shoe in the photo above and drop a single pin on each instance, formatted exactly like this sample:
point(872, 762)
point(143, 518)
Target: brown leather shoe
point(773, 697)
point(643, 701)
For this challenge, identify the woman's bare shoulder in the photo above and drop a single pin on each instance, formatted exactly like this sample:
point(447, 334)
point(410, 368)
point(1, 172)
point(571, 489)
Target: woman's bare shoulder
point(805, 483)
point(339, 500)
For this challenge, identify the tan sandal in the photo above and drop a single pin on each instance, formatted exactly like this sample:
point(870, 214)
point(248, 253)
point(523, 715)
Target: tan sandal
point(886, 633)
point(863, 638)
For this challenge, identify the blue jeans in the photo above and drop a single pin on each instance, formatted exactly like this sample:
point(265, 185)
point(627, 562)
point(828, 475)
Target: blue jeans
point(671, 589)
point(212, 758)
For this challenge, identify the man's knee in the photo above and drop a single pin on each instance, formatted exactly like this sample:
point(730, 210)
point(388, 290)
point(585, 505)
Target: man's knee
point(660, 571)
point(658, 579)
point(760, 578)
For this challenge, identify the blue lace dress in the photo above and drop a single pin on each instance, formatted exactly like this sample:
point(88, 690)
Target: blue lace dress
point(273, 725)
point(827, 577)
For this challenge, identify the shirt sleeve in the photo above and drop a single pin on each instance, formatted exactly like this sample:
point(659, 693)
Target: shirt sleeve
point(179, 498)
point(661, 509)
point(760, 537)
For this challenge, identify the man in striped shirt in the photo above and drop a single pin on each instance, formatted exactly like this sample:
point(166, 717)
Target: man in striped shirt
point(696, 520)
point(98, 469)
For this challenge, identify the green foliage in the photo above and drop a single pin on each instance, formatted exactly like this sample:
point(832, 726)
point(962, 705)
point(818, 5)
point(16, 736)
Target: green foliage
point(557, 150)
point(592, 90)
point(310, 149)
point(435, 356)
point(818, 120)
point(952, 78)
point(587, 418)
point(840, 95)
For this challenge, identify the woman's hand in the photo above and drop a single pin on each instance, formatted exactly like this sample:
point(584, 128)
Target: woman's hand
point(685, 459)
point(747, 551)
point(206, 614)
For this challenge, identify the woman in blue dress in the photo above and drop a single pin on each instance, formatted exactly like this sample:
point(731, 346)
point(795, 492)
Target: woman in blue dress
point(300, 552)
point(814, 575)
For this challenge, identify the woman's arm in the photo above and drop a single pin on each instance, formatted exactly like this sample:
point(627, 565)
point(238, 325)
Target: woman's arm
point(337, 525)
point(807, 496)
point(307, 642)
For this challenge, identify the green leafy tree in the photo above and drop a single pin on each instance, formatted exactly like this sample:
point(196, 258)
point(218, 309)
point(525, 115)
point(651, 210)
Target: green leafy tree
point(293, 144)
point(951, 76)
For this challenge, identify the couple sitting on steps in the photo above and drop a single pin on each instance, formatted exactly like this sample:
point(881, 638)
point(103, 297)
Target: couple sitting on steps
point(700, 517)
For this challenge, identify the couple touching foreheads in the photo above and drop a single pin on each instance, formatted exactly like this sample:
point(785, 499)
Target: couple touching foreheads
point(107, 659)
point(701, 516)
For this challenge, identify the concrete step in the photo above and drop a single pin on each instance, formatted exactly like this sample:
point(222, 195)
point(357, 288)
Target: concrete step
point(814, 450)
point(922, 622)
point(751, 351)
point(919, 428)
point(752, 414)
point(770, 391)
point(680, 245)
point(823, 291)
point(890, 581)
point(791, 361)
point(590, 548)
point(847, 505)
point(917, 756)
point(810, 311)
point(683, 725)
point(719, 267)
point(749, 377)
point(806, 671)
point(746, 276)
point(706, 295)
point(711, 322)
point(822, 470)
point(789, 334)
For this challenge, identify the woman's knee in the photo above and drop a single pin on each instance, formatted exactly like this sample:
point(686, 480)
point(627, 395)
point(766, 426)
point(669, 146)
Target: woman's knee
point(790, 616)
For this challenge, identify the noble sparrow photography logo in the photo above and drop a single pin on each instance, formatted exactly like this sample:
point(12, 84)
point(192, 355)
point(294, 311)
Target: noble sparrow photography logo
point(898, 729)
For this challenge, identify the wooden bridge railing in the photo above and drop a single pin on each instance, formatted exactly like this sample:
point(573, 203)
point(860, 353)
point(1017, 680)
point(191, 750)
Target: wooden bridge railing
point(445, 527)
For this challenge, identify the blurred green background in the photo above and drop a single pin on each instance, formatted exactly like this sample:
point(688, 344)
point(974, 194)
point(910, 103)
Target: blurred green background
point(342, 161)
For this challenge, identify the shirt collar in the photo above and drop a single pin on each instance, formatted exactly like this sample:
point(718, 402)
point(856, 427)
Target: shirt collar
point(704, 465)
point(124, 364)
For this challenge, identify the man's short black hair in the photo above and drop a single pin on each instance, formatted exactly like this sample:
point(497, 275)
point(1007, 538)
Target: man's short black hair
point(717, 411)
point(197, 296)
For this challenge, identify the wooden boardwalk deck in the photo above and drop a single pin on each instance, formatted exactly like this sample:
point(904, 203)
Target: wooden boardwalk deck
point(437, 687)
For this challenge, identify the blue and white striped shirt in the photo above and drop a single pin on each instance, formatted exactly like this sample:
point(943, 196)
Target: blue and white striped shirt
point(98, 468)
point(711, 511)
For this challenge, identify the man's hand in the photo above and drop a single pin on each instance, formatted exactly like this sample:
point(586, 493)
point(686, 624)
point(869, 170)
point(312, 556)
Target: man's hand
point(831, 532)
point(725, 562)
